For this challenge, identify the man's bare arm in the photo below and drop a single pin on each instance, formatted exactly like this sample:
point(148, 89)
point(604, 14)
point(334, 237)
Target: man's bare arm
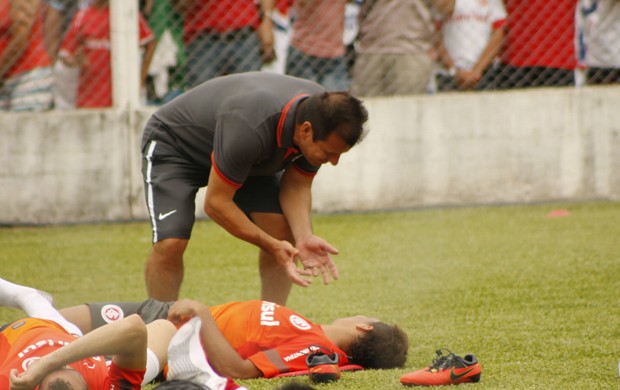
point(222, 356)
point(296, 201)
point(220, 207)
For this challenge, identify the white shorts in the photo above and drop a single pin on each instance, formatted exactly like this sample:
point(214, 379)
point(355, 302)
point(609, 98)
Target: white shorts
point(28, 91)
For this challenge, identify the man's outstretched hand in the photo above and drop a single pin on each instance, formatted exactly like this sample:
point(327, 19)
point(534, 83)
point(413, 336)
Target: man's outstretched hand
point(286, 255)
point(314, 253)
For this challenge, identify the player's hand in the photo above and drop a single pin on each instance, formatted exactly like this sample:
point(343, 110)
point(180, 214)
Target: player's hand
point(314, 253)
point(27, 380)
point(183, 310)
point(285, 254)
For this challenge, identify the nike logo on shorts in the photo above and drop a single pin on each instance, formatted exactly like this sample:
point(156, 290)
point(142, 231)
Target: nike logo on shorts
point(166, 215)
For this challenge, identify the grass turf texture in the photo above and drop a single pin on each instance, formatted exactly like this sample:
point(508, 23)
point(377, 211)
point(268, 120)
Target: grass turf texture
point(537, 299)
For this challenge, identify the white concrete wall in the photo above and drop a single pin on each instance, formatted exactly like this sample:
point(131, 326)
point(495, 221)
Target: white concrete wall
point(463, 148)
point(473, 148)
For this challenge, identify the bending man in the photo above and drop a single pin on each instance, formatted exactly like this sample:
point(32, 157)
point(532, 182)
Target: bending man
point(256, 140)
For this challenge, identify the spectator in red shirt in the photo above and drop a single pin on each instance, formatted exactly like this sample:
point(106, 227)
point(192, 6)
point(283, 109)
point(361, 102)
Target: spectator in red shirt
point(226, 36)
point(25, 67)
point(539, 48)
point(87, 45)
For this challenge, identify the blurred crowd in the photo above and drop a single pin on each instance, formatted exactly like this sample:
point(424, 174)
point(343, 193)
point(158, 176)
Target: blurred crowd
point(56, 53)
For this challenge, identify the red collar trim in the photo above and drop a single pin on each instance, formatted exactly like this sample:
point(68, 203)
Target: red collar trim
point(284, 115)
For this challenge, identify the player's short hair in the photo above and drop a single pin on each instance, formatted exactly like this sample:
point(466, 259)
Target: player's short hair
point(330, 112)
point(61, 380)
point(385, 346)
point(61, 384)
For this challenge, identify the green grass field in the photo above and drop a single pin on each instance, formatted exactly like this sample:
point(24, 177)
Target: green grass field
point(537, 299)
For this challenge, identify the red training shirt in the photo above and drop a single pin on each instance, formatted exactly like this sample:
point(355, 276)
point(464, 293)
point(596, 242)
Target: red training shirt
point(29, 339)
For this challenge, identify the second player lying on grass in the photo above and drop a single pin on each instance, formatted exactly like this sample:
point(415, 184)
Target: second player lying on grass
point(256, 339)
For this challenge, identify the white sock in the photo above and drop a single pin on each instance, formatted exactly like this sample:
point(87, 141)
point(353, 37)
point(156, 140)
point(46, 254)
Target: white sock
point(36, 304)
point(152, 366)
point(187, 359)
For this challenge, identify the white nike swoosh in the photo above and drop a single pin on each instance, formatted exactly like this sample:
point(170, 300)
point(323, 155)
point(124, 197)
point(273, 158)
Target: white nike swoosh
point(162, 216)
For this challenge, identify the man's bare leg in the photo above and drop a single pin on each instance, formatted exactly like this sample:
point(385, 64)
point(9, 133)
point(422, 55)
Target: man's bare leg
point(79, 316)
point(164, 269)
point(160, 332)
point(275, 284)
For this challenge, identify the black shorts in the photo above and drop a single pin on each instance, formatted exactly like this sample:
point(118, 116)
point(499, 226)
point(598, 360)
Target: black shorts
point(171, 182)
point(150, 310)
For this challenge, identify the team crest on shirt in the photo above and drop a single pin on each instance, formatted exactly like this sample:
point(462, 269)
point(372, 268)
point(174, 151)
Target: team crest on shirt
point(111, 313)
point(299, 322)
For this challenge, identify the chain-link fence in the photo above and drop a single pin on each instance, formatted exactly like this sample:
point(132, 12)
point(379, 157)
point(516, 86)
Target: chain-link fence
point(56, 53)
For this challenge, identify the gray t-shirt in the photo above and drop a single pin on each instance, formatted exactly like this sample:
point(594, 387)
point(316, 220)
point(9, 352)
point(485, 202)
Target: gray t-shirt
point(242, 123)
point(396, 26)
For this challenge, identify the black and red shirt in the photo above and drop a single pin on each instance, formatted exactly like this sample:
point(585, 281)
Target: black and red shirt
point(240, 124)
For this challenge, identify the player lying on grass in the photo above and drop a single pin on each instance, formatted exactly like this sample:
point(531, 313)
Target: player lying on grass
point(48, 351)
point(261, 339)
point(188, 368)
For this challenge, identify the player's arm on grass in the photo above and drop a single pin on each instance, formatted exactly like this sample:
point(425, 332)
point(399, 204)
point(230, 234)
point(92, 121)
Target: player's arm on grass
point(124, 340)
point(296, 202)
point(220, 207)
point(222, 356)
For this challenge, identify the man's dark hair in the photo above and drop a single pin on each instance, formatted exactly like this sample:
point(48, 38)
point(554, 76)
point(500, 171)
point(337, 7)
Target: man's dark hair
point(179, 384)
point(385, 346)
point(59, 384)
point(62, 383)
point(330, 112)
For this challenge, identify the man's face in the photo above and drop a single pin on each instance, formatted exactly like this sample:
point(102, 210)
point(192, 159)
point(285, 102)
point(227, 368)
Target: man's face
point(327, 151)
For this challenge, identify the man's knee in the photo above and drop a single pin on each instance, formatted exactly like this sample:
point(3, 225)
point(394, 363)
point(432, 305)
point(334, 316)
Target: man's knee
point(273, 224)
point(169, 250)
point(176, 245)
